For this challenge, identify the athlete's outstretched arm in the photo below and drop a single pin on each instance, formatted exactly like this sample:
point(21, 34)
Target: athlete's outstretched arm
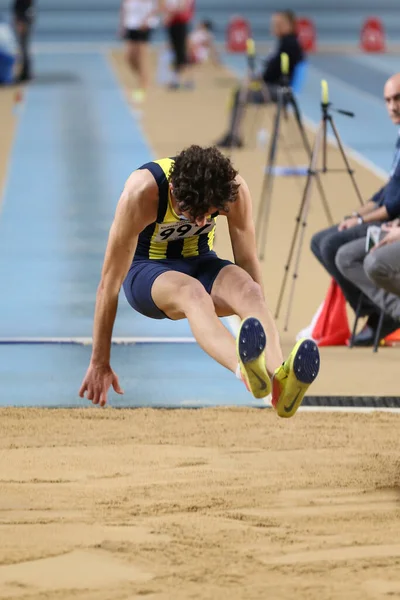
point(137, 208)
point(242, 233)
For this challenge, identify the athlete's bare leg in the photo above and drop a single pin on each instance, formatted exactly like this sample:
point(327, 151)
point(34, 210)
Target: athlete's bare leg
point(181, 296)
point(143, 65)
point(132, 54)
point(235, 292)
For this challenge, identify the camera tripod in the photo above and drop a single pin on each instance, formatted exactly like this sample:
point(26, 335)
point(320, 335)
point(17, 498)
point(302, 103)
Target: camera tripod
point(313, 173)
point(285, 99)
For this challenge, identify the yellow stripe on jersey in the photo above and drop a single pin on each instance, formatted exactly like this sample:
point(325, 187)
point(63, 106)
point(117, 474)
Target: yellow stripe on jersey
point(211, 236)
point(190, 246)
point(157, 250)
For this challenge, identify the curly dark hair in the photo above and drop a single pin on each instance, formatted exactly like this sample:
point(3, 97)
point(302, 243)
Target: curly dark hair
point(203, 178)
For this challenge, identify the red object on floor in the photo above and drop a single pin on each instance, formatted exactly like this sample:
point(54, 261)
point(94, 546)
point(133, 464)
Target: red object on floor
point(307, 34)
point(237, 34)
point(393, 339)
point(332, 326)
point(373, 37)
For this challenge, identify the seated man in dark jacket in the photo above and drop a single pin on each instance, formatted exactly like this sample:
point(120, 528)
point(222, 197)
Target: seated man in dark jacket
point(383, 206)
point(264, 89)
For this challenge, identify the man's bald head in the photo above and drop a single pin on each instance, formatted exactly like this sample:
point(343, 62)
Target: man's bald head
point(392, 97)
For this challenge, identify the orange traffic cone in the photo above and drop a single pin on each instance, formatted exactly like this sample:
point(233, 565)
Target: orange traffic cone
point(393, 339)
point(330, 326)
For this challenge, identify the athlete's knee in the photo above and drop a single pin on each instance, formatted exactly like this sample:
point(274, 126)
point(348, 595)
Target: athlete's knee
point(193, 295)
point(251, 292)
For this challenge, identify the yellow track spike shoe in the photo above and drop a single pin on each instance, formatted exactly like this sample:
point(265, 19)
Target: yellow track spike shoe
point(292, 379)
point(250, 344)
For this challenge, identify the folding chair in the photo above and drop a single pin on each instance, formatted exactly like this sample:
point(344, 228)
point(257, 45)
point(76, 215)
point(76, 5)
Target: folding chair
point(299, 77)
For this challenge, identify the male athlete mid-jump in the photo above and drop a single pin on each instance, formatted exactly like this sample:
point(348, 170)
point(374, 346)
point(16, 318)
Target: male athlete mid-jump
point(160, 249)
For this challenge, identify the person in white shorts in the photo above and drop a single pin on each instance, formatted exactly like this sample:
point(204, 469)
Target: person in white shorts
point(138, 20)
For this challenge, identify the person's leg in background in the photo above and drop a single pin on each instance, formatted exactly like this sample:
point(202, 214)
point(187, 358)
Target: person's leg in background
point(137, 57)
point(23, 29)
point(232, 138)
point(382, 266)
point(132, 51)
point(325, 246)
point(350, 260)
point(172, 36)
point(241, 96)
point(178, 40)
point(143, 66)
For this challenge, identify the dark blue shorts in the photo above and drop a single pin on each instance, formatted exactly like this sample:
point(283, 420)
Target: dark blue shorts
point(144, 272)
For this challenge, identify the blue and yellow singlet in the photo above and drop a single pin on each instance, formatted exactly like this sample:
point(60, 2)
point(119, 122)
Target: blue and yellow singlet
point(171, 235)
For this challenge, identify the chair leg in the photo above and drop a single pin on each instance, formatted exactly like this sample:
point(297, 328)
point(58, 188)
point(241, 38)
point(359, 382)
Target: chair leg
point(378, 331)
point(358, 310)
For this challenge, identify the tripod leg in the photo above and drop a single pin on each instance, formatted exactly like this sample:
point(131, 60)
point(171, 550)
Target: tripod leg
point(324, 148)
point(307, 147)
point(299, 218)
point(346, 162)
point(307, 201)
point(324, 200)
point(264, 208)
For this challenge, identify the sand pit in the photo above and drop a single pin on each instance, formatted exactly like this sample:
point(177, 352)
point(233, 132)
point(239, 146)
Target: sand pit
point(233, 503)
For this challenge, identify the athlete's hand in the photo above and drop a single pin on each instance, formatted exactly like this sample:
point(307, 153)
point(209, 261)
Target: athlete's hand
point(97, 382)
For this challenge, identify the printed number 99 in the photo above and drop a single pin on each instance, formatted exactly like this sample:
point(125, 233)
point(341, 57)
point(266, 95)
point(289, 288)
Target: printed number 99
point(181, 230)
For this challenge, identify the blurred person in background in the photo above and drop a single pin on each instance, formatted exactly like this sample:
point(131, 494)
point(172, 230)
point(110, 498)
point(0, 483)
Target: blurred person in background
point(201, 44)
point(23, 13)
point(178, 15)
point(201, 49)
point(138, 20)
point(263, 88)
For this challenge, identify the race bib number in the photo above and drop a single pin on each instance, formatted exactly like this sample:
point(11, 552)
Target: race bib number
point(169, 232)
